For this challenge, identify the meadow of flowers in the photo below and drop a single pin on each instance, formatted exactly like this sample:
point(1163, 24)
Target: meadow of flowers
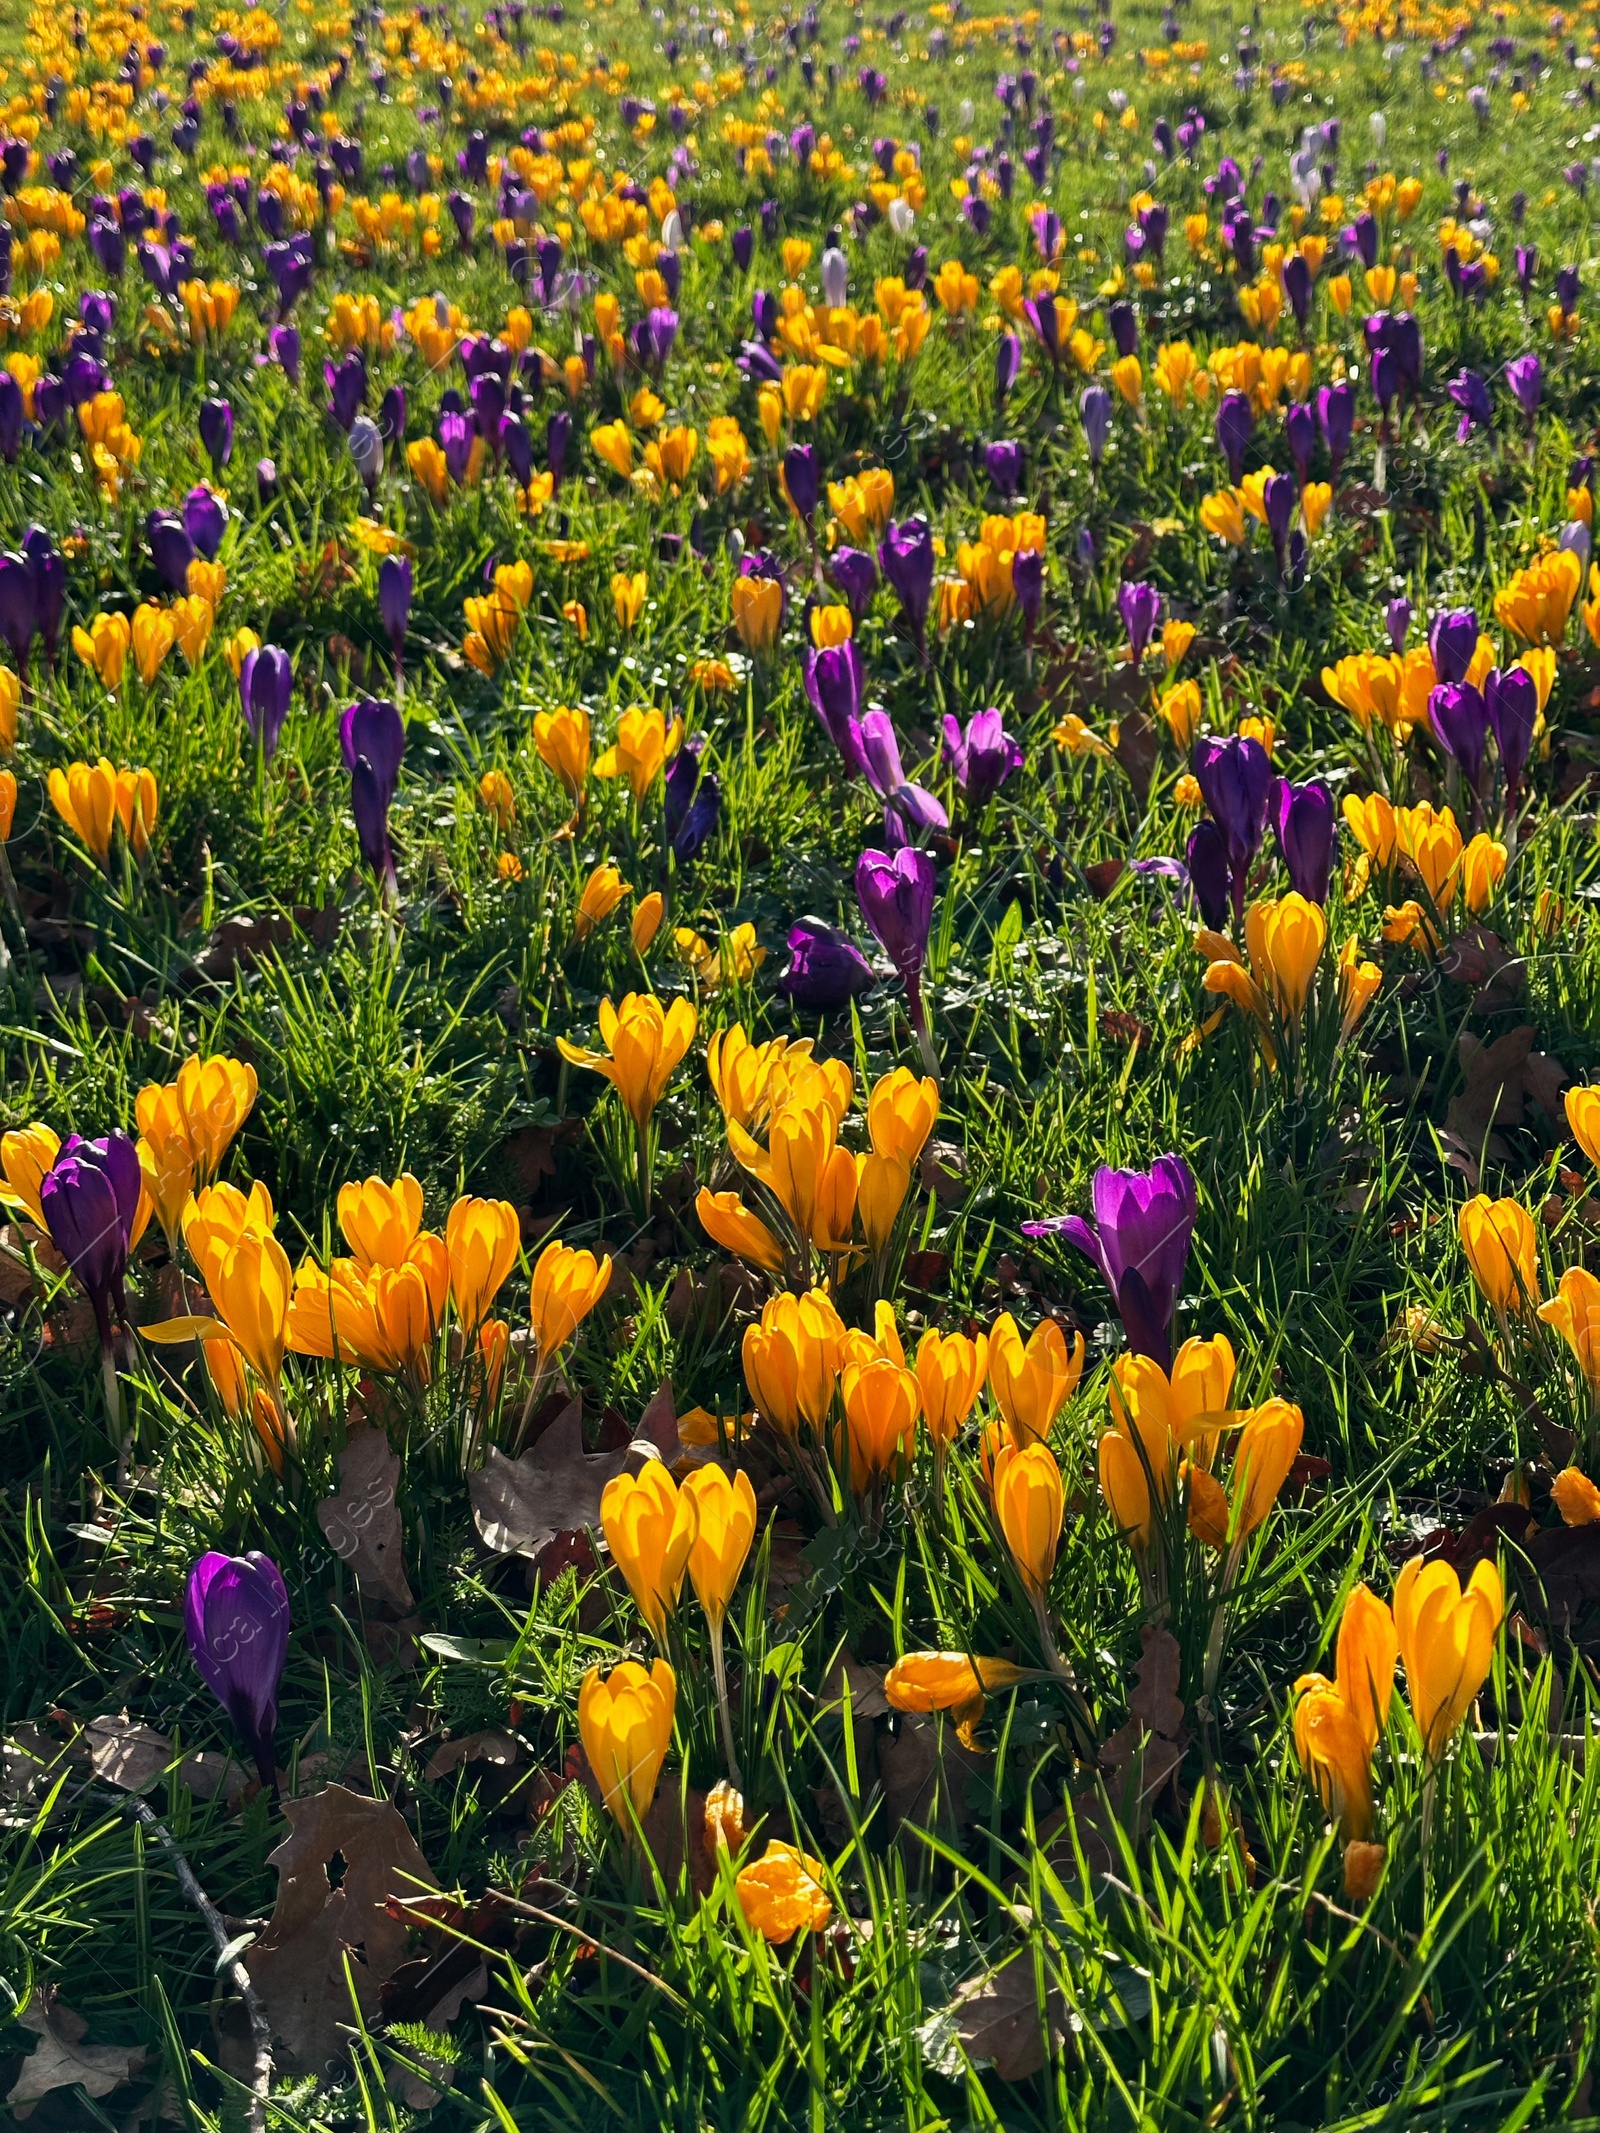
point(800, 1065)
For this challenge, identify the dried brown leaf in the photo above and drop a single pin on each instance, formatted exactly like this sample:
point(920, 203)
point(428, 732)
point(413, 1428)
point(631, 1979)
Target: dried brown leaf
point(344, 1859)
point(131, 1756)
point(1000, 2024)
point(362, 1523)
point(490, 1746)
point(555, 1487)
point(61, 2060)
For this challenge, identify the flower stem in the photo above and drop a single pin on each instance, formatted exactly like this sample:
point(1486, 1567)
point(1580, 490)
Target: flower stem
point(724, 1721)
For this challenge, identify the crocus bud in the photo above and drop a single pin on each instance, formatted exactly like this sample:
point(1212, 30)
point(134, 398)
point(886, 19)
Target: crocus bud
point(366, 450)
point(89, 1198)
point(394, 599)
point(825, 970)
point(216, 432)
point(266, 688)
point(236, 1617)
point(835, 278)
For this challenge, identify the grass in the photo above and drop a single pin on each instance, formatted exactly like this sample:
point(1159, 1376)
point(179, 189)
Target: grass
point(1186, 1965)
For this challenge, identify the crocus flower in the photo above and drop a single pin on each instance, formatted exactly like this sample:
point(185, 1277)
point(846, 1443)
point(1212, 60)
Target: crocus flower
point(909, 811)
point(1027, 583)
point(856, 575)
point(1471, 395)
point(216, 432)
point(802, 479)
point(372, 736)
point(1235, 778)
point(89, 1198)
point(266, 686)
point(1452, 640)
point(1397, 621)
point(394, 600)
point(1207, 866)
point(205, 519)
point(1336, 413)
point(1525, 376)
point(347, 388)
point(1234, 425)
point(1511, 704)
point(825, 971)
point(1140, 607)
point(833, 686)
point(19, 607)
point(236, 1617)
point(1139, 1239)
point(1094, 409)
point(905, 555)
point(1303, 819)
point(1007, 365)
point(691, 801)
point(171, 547)
point(1460, 722)
point(1003, 460)
point(896, 898)
point(983, 757)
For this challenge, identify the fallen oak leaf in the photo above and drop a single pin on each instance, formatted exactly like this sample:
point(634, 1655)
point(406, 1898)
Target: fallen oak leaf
point(124, 1753)
point(490, 1746)
point(998, 2021)
point(343, 1860)
point(520, 1505)
point(61, 2060)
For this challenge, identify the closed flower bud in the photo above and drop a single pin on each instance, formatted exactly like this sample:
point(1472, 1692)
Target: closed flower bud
point(649, 1525)
point(1446, 1638)
point(950, 1374)
point(482, 1238)
point(880, 1405)
point(791, 1360)
point(882, 1183)
point(725, 1527)
point(1363, 1869)
point(1268, 1446)
point(625, 1723)
point(648, 913)
point(566, 1287)
point(1029, 1504)
point(901, 1111)
point(1032, 1384)
point(1502, 1251)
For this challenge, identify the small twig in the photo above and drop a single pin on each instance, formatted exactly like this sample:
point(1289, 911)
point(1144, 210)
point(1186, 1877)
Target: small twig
point(233, 1970)
point(563, 1925)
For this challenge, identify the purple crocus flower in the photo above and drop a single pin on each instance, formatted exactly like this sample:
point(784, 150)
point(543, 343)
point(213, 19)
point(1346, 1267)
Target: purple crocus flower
point(1007, 365)
point(266, 686)
point(1278, 498)
point(1235, 778)
point(283, 342)
point(826, 970)
point(48, 567)
point(1336, 413)
point(895, 892)
point(13, 413)
point(983, 757)
point(1094, 409)
point(1460, 723)
point(1235, 422)
point(856, 575)
point(372, 737)
point(1300, 431)
point(236, 1617)
point(19, 607)
point(205, 519)
point(1027, 583)
point(1397, 621)
point(1452, 641)
point(691, 802)
point(1043, 317)
point(394, 600)
point(1207, 860)
point(802, 479)
point(1139, 605)
point(1471, 395)
point(1003, 461)
point(1303, 819)
point(171, 547)
point(347, 388)
point(833, 685)
point(89, 1197)
point(905, 555)
point(1139, 1239)
point(1511, 704)
point(557, 444)
point(1525, 376)
point(909, 810)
